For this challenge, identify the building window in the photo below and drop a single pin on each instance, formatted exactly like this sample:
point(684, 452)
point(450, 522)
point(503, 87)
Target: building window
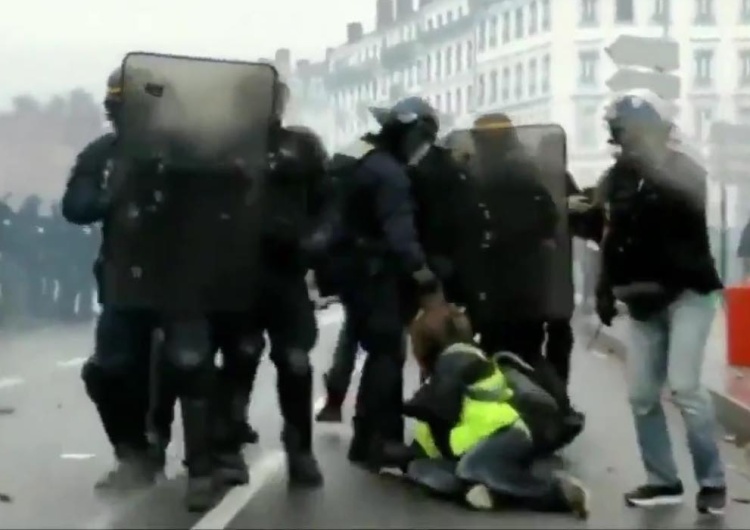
point(459, 57)
point(704, 68)
point(588, 68)
point(589, 12)
point(438, 66)
point(519, 23)
point(624, 12)
point(439, 102)
point(492, 33)
point(506, 26)
point(505, 88)
point(704, 12)
point(533, 18)
point(587, 124)
point(493, 86)
point(448, 102)
point(469, 97)
point(533, 73)
point(459, 102)
point(744, 68)
point(518, 92)
point(469, 53)
point(745, 12)
point(482, 36)
point(428, 68)
point(544, 80)
point(448, 61)
point(703, 118)
point(546, 16)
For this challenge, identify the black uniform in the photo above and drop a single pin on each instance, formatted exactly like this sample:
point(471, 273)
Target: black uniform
point(294, 199)
point(116, 375)
point(383, 251)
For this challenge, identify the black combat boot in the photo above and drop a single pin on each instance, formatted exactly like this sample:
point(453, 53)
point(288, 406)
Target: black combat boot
point(359, 448)
point(201, 492)
point(135, 469)
point(302, 466)
point(331, 411)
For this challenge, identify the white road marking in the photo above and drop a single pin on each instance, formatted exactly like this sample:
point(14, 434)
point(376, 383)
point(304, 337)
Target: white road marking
point(261, 473)
point(9, 382)
point(71, 363)
point(237, 498)
point(77, 456)
point(331, 316)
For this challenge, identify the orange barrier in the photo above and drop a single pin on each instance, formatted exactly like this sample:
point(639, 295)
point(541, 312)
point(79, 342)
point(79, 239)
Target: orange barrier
point(737, 307)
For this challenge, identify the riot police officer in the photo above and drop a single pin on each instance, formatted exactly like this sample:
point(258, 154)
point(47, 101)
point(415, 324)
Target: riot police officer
point(384, 274)
point(294, 199)
point(116, 375)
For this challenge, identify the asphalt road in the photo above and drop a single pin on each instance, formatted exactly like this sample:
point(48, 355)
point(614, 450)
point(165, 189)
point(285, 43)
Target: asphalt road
point(52, 450)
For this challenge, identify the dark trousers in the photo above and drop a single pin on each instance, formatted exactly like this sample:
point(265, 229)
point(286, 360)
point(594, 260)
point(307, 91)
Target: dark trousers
point(117, 374)
point(287, 315)
point(339, 375)
point(378, 315)
point(560, 347)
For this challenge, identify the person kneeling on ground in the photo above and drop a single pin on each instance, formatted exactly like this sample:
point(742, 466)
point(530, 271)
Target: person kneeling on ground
point(473, 443)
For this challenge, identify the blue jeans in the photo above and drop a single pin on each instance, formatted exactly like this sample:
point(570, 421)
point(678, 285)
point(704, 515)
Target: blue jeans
point(670, 348)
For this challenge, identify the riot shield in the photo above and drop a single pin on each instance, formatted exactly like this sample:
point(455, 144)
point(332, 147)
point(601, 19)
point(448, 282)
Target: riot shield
point(193, 147)
point(516, 254)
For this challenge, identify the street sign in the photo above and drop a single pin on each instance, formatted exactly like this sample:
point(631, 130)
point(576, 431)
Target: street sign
point(645, 62)
point(665, 85)
point(645, 52)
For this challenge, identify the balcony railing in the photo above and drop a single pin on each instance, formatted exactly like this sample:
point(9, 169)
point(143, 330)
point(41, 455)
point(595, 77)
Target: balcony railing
point(451, 30)
point(346, 76)
point(399, 56)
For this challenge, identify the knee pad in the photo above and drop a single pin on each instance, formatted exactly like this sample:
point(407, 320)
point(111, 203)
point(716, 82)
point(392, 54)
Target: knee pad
point(95, 380)
point(249, 351)
point(187, 357)
point(294, 361)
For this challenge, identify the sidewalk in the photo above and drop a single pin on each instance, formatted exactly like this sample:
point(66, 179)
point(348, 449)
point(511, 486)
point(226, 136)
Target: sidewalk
point(729, 386)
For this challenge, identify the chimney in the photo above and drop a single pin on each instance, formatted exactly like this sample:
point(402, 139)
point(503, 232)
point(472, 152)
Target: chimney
point(283, 61)
point(354, 32)
point(424, 3)
point(404, 9)
point(329, 54)
point(384, 15)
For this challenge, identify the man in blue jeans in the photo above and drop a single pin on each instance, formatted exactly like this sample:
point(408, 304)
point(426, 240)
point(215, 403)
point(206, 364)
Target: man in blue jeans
point(656, 259)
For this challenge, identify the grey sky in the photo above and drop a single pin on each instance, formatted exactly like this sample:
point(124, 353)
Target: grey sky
point(50, 46)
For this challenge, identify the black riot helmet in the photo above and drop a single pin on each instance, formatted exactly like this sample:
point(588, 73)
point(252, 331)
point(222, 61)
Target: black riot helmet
point(408, 128)
point(113, 97)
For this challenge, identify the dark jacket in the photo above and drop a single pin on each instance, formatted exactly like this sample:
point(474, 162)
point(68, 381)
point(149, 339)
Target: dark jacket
point(656, 226)
point(85, 198)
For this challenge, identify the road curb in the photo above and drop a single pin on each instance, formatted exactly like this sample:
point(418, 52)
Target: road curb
point(733, 415)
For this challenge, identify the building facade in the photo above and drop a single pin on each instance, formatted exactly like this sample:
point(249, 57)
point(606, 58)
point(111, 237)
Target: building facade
point(540, 61)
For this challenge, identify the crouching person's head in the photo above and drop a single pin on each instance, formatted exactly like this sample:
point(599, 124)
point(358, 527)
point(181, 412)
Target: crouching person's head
point(435, 330)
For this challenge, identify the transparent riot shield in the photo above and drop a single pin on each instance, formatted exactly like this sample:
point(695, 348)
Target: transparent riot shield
point(193, 147)
point(515, 259)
